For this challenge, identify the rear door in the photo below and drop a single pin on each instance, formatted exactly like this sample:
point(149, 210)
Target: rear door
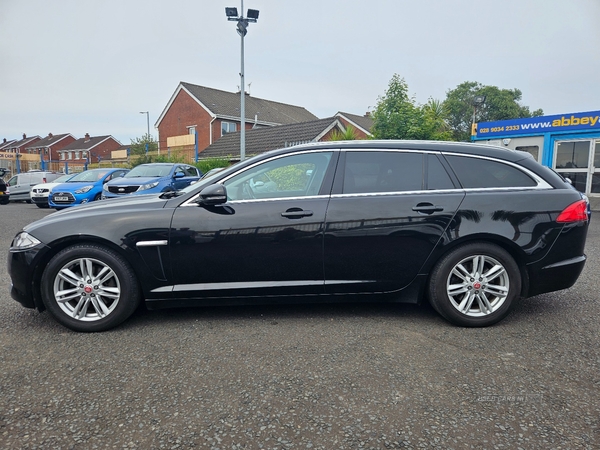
point(388, 211)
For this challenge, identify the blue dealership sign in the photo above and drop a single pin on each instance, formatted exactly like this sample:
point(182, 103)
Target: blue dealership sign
point(539, 125)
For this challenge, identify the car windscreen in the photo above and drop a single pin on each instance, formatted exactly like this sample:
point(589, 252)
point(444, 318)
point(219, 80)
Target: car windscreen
point(62, 179)
point(88, 176)
point(149, 171)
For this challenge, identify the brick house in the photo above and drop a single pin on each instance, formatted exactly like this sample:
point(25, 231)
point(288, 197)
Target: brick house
point(6, 144)
point(211, 113)
point(49, 146)
point(89, 149)
point(20, 145)
point(361, 124)
point(260, 140)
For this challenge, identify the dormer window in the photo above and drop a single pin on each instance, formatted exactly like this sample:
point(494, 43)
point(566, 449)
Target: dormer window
point(228, 127)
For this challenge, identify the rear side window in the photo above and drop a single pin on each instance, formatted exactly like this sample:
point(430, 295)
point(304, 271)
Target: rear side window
point(371, 172)
point(483, 173)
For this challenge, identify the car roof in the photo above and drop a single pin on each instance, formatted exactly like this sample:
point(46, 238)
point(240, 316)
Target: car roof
point(466, 148)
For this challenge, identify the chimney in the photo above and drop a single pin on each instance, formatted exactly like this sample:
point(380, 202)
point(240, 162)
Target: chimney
point(50, 135)
point(24, 136)
point(368, 114)
point(4, 141)
point(87, 137)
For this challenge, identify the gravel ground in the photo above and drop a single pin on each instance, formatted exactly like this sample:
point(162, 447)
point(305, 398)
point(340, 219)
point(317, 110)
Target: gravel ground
point(342, 376)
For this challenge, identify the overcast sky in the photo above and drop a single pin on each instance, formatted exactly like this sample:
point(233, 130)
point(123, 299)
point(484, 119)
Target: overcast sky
point(77, 66)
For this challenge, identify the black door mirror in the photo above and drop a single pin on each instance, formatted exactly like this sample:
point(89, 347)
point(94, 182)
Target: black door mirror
point(215, 194)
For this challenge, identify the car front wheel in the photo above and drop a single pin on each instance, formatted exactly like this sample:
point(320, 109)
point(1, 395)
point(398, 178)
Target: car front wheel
point(89, 288)
point(475, 285)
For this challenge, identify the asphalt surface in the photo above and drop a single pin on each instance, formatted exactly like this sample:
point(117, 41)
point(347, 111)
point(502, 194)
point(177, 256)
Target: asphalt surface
point(341, 376)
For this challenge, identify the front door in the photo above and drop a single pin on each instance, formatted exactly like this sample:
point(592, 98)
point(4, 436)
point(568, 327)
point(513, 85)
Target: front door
point(266, 240)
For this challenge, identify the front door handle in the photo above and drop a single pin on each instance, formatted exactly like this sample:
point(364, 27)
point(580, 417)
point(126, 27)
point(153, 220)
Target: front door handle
point(296, 213)
point(427, 208)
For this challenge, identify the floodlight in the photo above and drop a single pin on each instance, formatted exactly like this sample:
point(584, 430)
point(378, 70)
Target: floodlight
point(242, 28)
point(479, 100)
point(231, 12)
point(253, 14)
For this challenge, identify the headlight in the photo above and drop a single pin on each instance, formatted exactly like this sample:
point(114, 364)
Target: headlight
point(23, 241)
point(105, 187)
point(143, 187)
point(84, 189)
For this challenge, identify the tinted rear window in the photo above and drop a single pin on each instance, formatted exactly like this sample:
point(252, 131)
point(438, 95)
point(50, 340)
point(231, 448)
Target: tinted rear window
point(483, 173)
point(370, 172)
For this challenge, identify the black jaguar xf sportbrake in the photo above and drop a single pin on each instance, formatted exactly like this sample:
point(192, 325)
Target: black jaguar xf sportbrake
point(472, 228)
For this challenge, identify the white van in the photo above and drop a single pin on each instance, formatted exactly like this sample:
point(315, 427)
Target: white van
point(20, 184)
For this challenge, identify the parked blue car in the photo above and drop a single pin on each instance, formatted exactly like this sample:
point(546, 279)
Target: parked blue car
point(82, 188)
point(152, 178)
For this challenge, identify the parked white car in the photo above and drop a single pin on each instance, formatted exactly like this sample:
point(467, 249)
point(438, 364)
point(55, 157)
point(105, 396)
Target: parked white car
point(40, 192)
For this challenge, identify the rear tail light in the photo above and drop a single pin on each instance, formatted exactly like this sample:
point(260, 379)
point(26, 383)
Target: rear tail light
point(44, 180)
point(575, 212)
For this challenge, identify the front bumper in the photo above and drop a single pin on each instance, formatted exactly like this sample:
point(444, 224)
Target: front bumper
point(22, 266)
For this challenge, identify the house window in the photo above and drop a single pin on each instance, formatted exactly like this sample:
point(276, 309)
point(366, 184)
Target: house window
point(70, 155)
point(228, 127)
point(84, 155)
point(76, 155)
point(192, 129)
point(62, 155)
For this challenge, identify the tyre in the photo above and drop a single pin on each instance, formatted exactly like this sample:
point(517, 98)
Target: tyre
point(89, 288)
point(475, 285)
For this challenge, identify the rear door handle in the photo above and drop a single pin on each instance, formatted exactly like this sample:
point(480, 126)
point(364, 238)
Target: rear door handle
point(296, 213)
point(427, 208)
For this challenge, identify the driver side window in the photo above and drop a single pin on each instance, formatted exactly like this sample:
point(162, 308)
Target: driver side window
point(298, 175)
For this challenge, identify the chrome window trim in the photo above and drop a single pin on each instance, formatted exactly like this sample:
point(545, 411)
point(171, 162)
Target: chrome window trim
point(256, 200)
point(441, 191)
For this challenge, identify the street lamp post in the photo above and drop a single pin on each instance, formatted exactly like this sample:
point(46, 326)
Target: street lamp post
point(148, 124)
point(242, 29)
point(147, 121)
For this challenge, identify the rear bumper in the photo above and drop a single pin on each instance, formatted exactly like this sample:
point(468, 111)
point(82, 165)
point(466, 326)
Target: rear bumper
point(557, 276)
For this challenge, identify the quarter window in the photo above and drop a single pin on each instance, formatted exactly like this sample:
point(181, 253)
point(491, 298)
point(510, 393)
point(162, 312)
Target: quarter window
point(478, 173)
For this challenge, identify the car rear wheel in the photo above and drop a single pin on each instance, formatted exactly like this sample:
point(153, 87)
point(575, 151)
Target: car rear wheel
point(89, 288)
point(475, 285)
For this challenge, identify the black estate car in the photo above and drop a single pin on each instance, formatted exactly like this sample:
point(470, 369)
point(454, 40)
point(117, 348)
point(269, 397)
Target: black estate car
point(470, 227)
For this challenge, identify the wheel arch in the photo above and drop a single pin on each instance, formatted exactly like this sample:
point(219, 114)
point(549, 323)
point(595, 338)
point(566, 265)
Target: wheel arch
point(516, 252)
point(61, 244)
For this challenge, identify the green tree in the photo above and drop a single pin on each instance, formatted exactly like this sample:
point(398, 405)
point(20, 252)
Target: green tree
point(138, 145)
point(500, 104)
point(436, 121)
point(396, 115)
